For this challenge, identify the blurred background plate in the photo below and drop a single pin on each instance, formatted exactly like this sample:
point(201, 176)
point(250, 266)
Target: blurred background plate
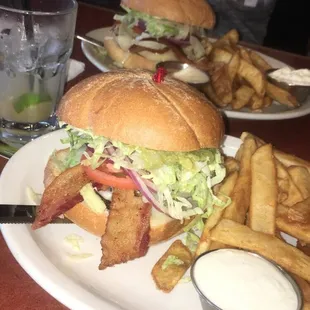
point(274, 112)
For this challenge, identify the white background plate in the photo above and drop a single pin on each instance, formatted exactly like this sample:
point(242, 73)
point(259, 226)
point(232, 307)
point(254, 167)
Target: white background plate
point(80, 285)
point(274, 112)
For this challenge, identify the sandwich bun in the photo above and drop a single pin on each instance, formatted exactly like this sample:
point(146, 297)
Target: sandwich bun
point(128, 106)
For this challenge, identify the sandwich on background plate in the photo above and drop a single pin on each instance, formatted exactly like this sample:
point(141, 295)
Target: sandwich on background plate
point(152, 31)
point(142, 162)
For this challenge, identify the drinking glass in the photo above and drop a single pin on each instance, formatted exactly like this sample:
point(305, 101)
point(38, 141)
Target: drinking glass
point(36, 39)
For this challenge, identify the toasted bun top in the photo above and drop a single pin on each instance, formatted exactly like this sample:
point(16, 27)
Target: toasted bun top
point(128, 106)
point(191, 12)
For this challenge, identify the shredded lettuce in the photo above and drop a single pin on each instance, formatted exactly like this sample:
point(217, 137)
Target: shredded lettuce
point(171, 260)
point(156, 26)
point(195, 228)
point(74, 241)
point(185, 280)
point(183, 180)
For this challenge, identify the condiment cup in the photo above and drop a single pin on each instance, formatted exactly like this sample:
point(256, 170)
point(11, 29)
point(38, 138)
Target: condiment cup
point(172, 67)
point(209, 305)
point(301, 92)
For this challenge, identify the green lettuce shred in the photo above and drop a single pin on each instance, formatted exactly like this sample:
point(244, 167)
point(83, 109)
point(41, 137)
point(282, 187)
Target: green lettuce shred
point(183, 180)
point(195, 228)
point(171, 260)
point(155, 26)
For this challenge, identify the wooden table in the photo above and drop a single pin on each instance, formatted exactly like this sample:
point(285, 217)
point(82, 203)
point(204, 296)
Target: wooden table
point(18, 290)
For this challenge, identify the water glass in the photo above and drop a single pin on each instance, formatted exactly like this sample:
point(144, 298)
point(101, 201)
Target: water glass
point(36, 39)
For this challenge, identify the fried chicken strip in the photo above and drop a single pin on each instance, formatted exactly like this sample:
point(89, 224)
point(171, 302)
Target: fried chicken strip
point(127, 232)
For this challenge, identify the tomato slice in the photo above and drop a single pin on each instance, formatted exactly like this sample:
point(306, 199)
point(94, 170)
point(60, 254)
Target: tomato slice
point(109, 179)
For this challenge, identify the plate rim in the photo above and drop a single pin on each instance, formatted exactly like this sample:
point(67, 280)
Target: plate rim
point(301, 111)
point(37, 265)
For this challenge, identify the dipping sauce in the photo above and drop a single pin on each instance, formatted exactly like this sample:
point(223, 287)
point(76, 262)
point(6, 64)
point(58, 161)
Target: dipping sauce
point(292, 77)
point(239, 280)
point(191, 75)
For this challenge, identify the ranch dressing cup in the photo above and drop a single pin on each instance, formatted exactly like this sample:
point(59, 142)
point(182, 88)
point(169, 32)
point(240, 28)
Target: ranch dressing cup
point(231, 279)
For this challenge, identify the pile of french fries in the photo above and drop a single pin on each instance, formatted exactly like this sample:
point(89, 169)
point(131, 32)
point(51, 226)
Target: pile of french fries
point(270, 195)
point(238, 77)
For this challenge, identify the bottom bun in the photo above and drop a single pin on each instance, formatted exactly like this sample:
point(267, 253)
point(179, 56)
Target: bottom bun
point(162, 227)
point(85, 218)
point(143, 60)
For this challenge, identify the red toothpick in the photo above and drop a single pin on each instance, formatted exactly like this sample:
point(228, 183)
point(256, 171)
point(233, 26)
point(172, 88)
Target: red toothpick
point(159, 75)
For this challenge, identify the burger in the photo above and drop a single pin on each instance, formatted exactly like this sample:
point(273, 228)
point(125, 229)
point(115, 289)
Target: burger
point(154, 31)
point(143, 159)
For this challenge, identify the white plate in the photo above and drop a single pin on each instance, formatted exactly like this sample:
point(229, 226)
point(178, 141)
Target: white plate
point(274, 112)
point(80, 285)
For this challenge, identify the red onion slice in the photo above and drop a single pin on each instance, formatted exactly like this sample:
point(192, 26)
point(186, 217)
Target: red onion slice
point(145, 189)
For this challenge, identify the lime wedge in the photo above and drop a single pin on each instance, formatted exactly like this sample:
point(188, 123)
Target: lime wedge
point(27, 100)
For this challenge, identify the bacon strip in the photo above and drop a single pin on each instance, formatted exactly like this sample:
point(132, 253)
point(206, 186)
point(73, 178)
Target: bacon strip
point(127, 232)
point(61, 195)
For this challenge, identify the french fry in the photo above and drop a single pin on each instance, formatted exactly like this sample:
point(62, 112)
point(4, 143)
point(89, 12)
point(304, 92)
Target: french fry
point(286, 159)
point(300, 212)
point(258, 141)
point(220, 55)
point(291, 160)
point(301, 177)
point(167, 278)
point(232, 36)
point(231, 48)
point(296, 229)
point(283, 189)
point(217, 245)
point(224, 191)
point(267, 102)
point(231, 165)
point(259, 61)
point(304, 286)
point(237, 82)
point(293, 193)
point(256, 103)
point(306, 306)
point(228, 41)
point(208, 46)
point(245, 54)
point(239, 153)
point(304, 247)
point(264, 191)
point(233, 66)
point(209, 91)
point(253, 76)
point(221, 82)
point(281, 95)
point(241, 97)
point(221, 43)
point(241, 236)
point(240, 196)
